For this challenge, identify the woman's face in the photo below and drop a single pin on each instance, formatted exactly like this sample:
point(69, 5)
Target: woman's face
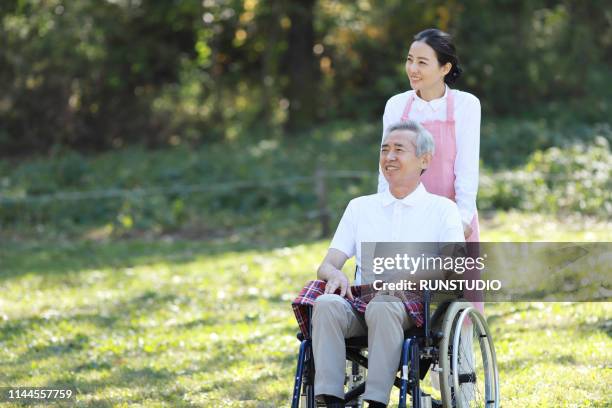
point(422, 67)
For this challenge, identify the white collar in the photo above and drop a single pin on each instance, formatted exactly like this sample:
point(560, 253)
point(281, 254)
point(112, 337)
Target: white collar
point(434, 103)
point(410, 200)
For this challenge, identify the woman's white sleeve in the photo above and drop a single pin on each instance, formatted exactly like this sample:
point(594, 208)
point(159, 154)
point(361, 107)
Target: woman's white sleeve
point(382, 182)
point(467, 159)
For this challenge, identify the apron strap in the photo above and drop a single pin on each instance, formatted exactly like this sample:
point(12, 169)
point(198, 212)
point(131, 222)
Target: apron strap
point(407, 109)
point(450, 106)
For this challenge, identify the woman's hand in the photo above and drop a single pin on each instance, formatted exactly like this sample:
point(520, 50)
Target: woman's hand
point(467, 230)
point(339, 280)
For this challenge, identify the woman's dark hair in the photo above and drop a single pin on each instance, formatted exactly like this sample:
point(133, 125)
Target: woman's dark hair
point(442, 44)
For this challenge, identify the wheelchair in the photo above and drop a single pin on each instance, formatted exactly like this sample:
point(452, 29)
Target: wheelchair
point(454, 341)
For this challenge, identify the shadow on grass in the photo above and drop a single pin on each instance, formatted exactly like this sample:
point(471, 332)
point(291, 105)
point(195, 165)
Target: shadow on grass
point(118, 319)
point(53, 258)
point(197, 323)
point(225, 354)
point(493, 319)
point(161, 385)
point(242, 389)
point(518, 364)
point(586, 329)
point(148, 301)
point(146, 383)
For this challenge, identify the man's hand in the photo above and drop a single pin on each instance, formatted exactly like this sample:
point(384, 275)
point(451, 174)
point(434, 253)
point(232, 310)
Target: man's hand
point(331, 272)
point(339, 280)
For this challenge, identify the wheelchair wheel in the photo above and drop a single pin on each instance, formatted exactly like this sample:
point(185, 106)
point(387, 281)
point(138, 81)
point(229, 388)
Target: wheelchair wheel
point(469, 376)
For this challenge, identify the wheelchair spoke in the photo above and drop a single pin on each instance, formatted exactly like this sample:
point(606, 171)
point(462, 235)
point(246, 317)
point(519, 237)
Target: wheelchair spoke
point(471, 363)
point(468, 369)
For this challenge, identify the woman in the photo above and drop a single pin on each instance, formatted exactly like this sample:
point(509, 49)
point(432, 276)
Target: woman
point(452, 117)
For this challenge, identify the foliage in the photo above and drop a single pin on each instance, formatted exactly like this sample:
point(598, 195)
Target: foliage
point(258, 168)
point(576, 179)
point(508, 143)
point(97, 75)
point(85, 73)
point(521, 56)
point(225, 186)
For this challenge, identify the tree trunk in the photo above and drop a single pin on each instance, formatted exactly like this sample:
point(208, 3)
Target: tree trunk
point(303, 84)
point(270, 21)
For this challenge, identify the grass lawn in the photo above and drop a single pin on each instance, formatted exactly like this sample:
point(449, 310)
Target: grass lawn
point(171, 322)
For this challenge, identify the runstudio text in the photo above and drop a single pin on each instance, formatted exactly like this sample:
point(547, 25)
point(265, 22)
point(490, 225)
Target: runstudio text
point(436, 284)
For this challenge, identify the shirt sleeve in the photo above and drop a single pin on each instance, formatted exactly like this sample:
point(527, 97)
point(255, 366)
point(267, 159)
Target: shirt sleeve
point(467, 159)
point(382, 182)
point(451, 229)
point(345, 237)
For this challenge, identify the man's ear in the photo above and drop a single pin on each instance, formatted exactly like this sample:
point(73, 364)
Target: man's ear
point(425, 159)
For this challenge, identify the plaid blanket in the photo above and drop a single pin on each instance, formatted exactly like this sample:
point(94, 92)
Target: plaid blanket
point(362, 295)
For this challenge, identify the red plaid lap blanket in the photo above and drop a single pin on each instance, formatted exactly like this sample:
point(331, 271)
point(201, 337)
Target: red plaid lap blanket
point(362, 295)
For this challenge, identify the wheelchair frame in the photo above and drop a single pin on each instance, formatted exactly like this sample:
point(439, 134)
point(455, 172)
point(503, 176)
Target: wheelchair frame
point(419, 350)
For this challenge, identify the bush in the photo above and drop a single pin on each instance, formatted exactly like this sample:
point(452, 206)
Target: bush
point(510, 142)
point(557, 180)
point(261, 165)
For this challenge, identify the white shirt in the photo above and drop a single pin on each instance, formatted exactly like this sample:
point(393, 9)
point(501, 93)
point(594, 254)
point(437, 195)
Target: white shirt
point(467, 134)
point(418, 217)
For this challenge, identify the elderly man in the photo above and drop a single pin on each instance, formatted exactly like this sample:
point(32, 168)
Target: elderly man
point(405, 212)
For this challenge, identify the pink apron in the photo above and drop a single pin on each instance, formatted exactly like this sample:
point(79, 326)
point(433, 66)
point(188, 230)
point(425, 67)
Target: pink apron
point(439, 178)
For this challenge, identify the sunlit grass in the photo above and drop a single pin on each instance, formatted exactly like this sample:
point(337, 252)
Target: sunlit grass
point(516, 226)
point(185, 323)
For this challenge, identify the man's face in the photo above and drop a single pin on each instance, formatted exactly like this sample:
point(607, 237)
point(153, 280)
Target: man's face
point(398, 159)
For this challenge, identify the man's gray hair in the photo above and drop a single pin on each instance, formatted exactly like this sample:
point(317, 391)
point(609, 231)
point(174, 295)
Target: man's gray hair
point(423, 140)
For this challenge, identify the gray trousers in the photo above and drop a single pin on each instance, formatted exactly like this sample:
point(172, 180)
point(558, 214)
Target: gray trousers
point(334, 319)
